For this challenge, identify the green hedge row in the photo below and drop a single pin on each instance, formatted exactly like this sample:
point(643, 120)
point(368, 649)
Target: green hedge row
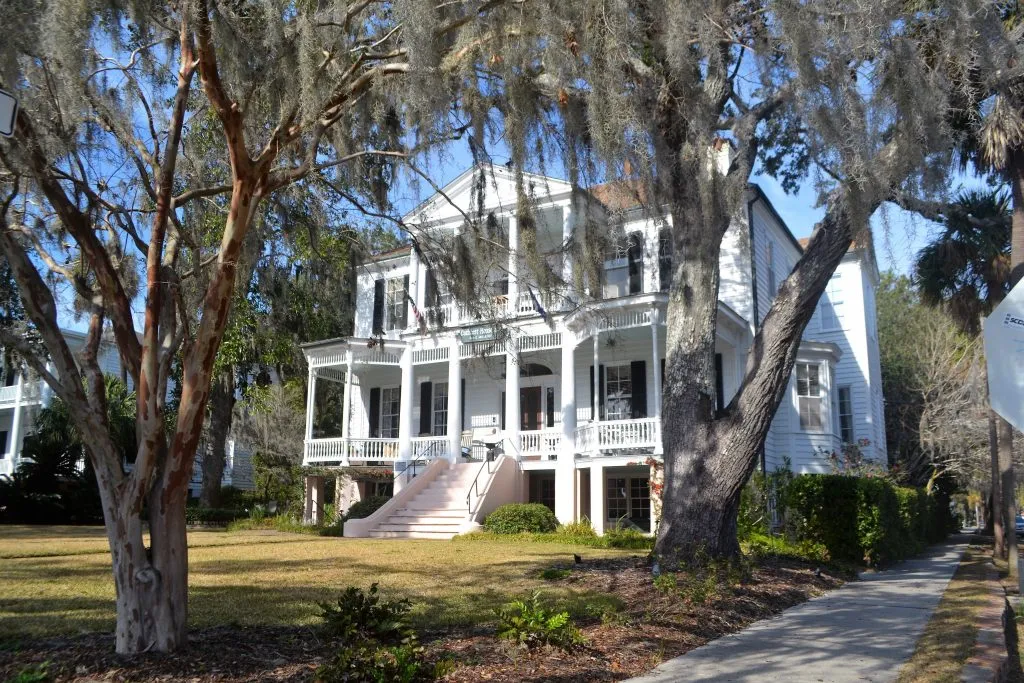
point(198, 515)
point(863, 519)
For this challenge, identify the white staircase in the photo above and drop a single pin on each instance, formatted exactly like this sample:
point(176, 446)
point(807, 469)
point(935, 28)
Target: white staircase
point(438, 511)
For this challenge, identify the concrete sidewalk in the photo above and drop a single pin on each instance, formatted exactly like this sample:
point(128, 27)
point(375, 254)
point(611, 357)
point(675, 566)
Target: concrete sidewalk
point(864, 631)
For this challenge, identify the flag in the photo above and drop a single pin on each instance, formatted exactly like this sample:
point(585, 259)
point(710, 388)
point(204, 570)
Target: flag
point(536, 305)
point(420, 320)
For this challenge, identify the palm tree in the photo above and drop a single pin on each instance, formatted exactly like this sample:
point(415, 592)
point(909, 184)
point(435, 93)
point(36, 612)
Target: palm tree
point(966, 269)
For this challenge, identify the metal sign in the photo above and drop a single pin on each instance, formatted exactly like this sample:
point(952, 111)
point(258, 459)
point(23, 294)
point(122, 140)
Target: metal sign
point(1004, 353)
point(8, 112)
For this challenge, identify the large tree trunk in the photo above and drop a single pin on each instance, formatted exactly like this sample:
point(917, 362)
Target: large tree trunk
point(222, 403)
point(1008, 490)
point(997, 519)
point(709, 458)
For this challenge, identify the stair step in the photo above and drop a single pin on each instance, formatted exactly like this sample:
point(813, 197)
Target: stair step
point(431, 512)
point(395, 526)
point(437, 535)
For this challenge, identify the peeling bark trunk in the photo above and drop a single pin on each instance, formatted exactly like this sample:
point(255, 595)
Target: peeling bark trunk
point(709, 459)
point(222, 403)
point(997, 519)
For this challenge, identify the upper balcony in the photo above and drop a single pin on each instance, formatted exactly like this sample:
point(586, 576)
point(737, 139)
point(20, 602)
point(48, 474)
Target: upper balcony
point(31, 394)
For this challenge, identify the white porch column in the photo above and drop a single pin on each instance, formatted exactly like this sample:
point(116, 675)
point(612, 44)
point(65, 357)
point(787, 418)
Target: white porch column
point(316, 500)
point(565, 470)
point(19, 391)
point(346, 408)
point(656, 359)
point(597, 512)
point(513, 266)
point(310, 405)
point(512, 416)
point(414, 288)
point(455, 399)
point(596, 415)
point(567, 221)
point(405, 426)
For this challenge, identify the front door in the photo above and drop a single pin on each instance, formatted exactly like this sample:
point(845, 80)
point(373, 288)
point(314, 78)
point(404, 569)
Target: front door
point(530, 408)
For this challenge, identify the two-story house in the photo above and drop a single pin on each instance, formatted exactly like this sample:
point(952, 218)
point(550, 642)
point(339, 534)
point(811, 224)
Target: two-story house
point(555, 397)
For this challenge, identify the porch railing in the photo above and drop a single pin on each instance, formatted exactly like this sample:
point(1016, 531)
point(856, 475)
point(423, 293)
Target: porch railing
point(618, 434)
point(30, 392)
point(429, 447)
point(542, 442)
point(343, 450)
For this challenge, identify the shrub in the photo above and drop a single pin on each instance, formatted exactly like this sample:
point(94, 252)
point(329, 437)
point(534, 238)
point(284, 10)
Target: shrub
point(580, 529)
point(554, 574)
point(368, 662)
point(879, 527)
point(360, 615)
point(364, 508)
point(630, 539)
point(215, 516)
point(529, 624)
point(517, 518)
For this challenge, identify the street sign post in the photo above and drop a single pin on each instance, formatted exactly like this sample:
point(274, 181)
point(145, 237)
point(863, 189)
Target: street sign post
point(1004, 354)
point(8, 112)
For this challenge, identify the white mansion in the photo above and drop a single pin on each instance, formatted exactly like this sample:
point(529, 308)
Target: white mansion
point(560, 403)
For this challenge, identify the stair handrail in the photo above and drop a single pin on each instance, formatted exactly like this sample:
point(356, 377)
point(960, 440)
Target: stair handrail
point(474, 487)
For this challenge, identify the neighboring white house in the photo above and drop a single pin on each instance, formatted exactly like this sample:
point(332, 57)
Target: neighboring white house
point(568, 386)
point(23, 394)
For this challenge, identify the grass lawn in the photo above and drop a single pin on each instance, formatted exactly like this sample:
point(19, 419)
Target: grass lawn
point(57, 581)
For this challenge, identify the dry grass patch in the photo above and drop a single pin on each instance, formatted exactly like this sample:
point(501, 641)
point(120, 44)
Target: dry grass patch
point(57, 581)
point(948, 640)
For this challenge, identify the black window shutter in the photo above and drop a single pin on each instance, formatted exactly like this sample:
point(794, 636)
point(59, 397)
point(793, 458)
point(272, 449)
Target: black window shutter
point(430, 289)
point(378, 307)
point(3, 444)
point(635, 255)
point(503, 410)
point(551, 407)
point(374, 412)
point(601, 391)
point(591, 385)
point(462, 395)
point(405, 303)
point(719, 384)
point(426, 407)
point(638, 378)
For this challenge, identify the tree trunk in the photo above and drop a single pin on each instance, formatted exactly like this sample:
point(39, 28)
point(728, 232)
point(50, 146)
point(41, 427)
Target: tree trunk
point(997, 518)
point(709, 458)
point(1007, 488)
point(222, 403)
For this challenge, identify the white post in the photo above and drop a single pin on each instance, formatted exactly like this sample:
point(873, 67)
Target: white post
point(565, 470)
point(414, 279)
point(656, 359)
point(513, 266)
point(16, 423)
point(596, 415)
point(455, 399)
point(317, 500)
point(567, 264)
point(512, 416)
point(310, 405)
point(346, 407)
point(597, 512)
point(405, 407)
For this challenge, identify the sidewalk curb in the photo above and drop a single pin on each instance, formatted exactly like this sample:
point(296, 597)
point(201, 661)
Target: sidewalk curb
point(990, 659)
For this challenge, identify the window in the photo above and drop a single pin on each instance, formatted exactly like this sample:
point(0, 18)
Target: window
point(618, 392)
point(440, 408)
point(616, 272)
point(3, 445)
point(617, 502)
point(390, 402)
point(380, 488)
point(831, 303)
point(808, 391)
point(542, 489)
point(845, 415)
point(640, 502)
point(773, 285)
point(665, 258)
point(395, 303)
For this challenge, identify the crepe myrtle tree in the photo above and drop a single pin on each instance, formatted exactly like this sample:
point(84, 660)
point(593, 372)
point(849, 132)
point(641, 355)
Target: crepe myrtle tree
point(846, 93)
point(97, 173)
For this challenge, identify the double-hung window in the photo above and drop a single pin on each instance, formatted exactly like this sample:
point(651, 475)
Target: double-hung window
point(831, 305)
point(809, 399)
point(618, 392)
point(395, 303)
point(390, 402)
point(440, 409)
point(845, 415)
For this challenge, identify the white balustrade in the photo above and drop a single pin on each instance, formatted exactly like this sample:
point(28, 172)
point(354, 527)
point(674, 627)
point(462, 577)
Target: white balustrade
point(618, 435)
point(336, 449)
point(435, 355)
point(539, 342)
point(30, 392)
point(427, 447)
point(541, 442)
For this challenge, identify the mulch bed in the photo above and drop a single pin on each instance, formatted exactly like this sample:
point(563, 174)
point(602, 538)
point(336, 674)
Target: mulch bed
point(651, 626)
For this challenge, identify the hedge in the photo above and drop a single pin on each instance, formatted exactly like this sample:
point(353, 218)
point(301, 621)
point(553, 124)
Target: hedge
point(218, 516)
point(862, 519)
point(517, 518)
